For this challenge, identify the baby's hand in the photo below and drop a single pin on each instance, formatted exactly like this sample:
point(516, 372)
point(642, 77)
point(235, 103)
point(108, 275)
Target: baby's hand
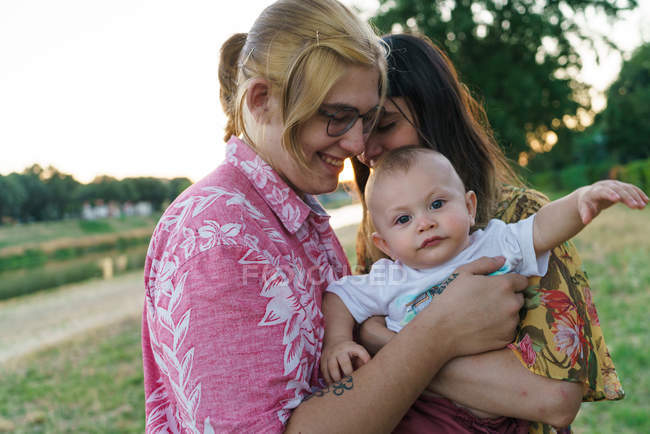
point(601, 195)
point(337, 360)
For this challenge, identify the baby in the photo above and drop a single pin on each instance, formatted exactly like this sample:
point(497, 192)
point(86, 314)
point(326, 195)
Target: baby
point(422, 216)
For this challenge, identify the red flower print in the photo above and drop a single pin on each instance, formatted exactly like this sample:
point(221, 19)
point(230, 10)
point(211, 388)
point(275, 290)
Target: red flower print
point(527, 352)
point(568, 337)
point(591, 308)
point(557, 301)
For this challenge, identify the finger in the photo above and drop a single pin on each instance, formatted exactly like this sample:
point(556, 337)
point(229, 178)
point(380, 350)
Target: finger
point(639, 196)
point(584, 213)
point(610, 193)
point(361, 354)
point(346, 364)
point(335, 374)
point(626, 197)
point(517, 282)
point(484, 265)
point(324, 371)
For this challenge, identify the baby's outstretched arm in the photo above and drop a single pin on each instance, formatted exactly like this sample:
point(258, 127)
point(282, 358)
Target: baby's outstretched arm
point(563, 218)
point(339, 349)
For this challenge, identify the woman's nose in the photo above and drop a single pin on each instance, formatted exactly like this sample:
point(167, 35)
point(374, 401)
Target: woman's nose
point(371, 152)
point(353, 140)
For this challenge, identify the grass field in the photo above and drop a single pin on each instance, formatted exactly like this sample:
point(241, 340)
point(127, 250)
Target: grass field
point(29, 234)
point(95, 384)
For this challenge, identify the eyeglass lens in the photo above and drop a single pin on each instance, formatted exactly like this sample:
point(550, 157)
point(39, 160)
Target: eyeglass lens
point(343, 119)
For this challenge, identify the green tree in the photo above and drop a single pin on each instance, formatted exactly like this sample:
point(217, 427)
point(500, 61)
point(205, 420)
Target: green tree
point(36, 205)
point(12, 196)
point(177, 186)
point(149, 189)
point(515, 54)
point(61, 192)
point(627, 116)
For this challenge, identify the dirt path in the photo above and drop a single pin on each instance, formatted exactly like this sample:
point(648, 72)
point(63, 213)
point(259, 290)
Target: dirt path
point(36, 321)
point(44, 319)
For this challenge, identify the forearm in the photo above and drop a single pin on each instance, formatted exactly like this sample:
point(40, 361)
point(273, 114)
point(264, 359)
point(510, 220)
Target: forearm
point(496, 382)
point(339, 322)
point(374, 335)
point(556, 223)
point(383, 389)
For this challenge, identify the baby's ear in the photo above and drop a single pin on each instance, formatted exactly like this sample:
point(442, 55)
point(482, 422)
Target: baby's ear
point(381, 244)
point(470, 202)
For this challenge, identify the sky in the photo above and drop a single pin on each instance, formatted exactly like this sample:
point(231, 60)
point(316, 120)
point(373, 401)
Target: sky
point(129, 87)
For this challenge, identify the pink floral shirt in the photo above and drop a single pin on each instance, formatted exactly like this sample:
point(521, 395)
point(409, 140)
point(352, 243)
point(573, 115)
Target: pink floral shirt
point(232, 325)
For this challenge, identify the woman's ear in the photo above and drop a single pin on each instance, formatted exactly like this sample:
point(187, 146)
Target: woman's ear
point(258, 99)
point(470, 202)
point(381, 244)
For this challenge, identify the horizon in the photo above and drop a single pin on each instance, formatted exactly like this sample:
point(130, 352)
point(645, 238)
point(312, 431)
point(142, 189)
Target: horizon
point(114, 75)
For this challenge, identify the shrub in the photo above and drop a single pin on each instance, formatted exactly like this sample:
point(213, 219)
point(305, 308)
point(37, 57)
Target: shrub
point(574, 177)
point(24, 283)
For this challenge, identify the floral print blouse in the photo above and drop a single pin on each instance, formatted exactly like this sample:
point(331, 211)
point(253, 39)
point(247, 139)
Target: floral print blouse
point(559, 335)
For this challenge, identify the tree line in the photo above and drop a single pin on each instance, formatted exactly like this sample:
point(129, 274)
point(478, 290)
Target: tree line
point(39, 194)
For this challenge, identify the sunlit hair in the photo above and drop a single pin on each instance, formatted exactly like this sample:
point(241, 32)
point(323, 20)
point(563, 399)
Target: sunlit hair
point(447, 118)
point(302, 47)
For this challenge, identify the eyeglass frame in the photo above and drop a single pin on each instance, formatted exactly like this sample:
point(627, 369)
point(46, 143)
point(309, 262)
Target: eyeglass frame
point(364, 126)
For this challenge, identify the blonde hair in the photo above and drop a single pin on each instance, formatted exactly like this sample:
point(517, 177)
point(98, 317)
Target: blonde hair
point(302, 48)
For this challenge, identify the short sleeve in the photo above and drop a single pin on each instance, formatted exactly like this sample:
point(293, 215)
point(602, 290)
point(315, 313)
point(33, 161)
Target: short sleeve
point(365, 295)
point(559, 335)
point(219, 366)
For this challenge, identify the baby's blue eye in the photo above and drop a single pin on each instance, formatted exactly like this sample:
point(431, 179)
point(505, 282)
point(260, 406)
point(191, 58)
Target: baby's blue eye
point(403, 219)
point(437, 204)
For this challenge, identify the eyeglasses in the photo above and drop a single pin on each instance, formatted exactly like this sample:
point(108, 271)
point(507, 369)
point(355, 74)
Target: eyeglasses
point(343, 118)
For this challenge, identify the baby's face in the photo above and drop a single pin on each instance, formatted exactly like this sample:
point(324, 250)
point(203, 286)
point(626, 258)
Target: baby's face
point(423, 215)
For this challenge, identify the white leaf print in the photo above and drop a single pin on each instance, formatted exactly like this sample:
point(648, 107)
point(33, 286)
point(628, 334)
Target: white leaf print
point(160, 429)
point(157, 394)
point(189, 242)
point(230, 229)
point(258, 170)
point(297, 385)
point(290, 213)
point(171, 419)
point(231, 154)
point(170, 356)
point(251, 241)
point(277, 312)
point(275, 236)
point(292, 353)
point(208, 200)
point(207, 426)
point(181, 330)
point(295, 402)
point(278, 195)
point(186, 366)
point(177, 292)
point(160, 362)
point(253, 257)
point(156, 413)
point(195, 398)
point(292, 328)
point(283, 415)
point(165, 318)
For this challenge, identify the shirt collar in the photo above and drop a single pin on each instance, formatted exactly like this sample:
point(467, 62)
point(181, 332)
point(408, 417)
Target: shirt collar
point(290, 209)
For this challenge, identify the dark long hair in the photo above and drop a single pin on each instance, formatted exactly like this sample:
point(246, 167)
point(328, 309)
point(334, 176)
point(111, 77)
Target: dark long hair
point(448, 119)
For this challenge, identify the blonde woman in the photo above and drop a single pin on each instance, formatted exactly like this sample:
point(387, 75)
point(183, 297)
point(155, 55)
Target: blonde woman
point(236, 269)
